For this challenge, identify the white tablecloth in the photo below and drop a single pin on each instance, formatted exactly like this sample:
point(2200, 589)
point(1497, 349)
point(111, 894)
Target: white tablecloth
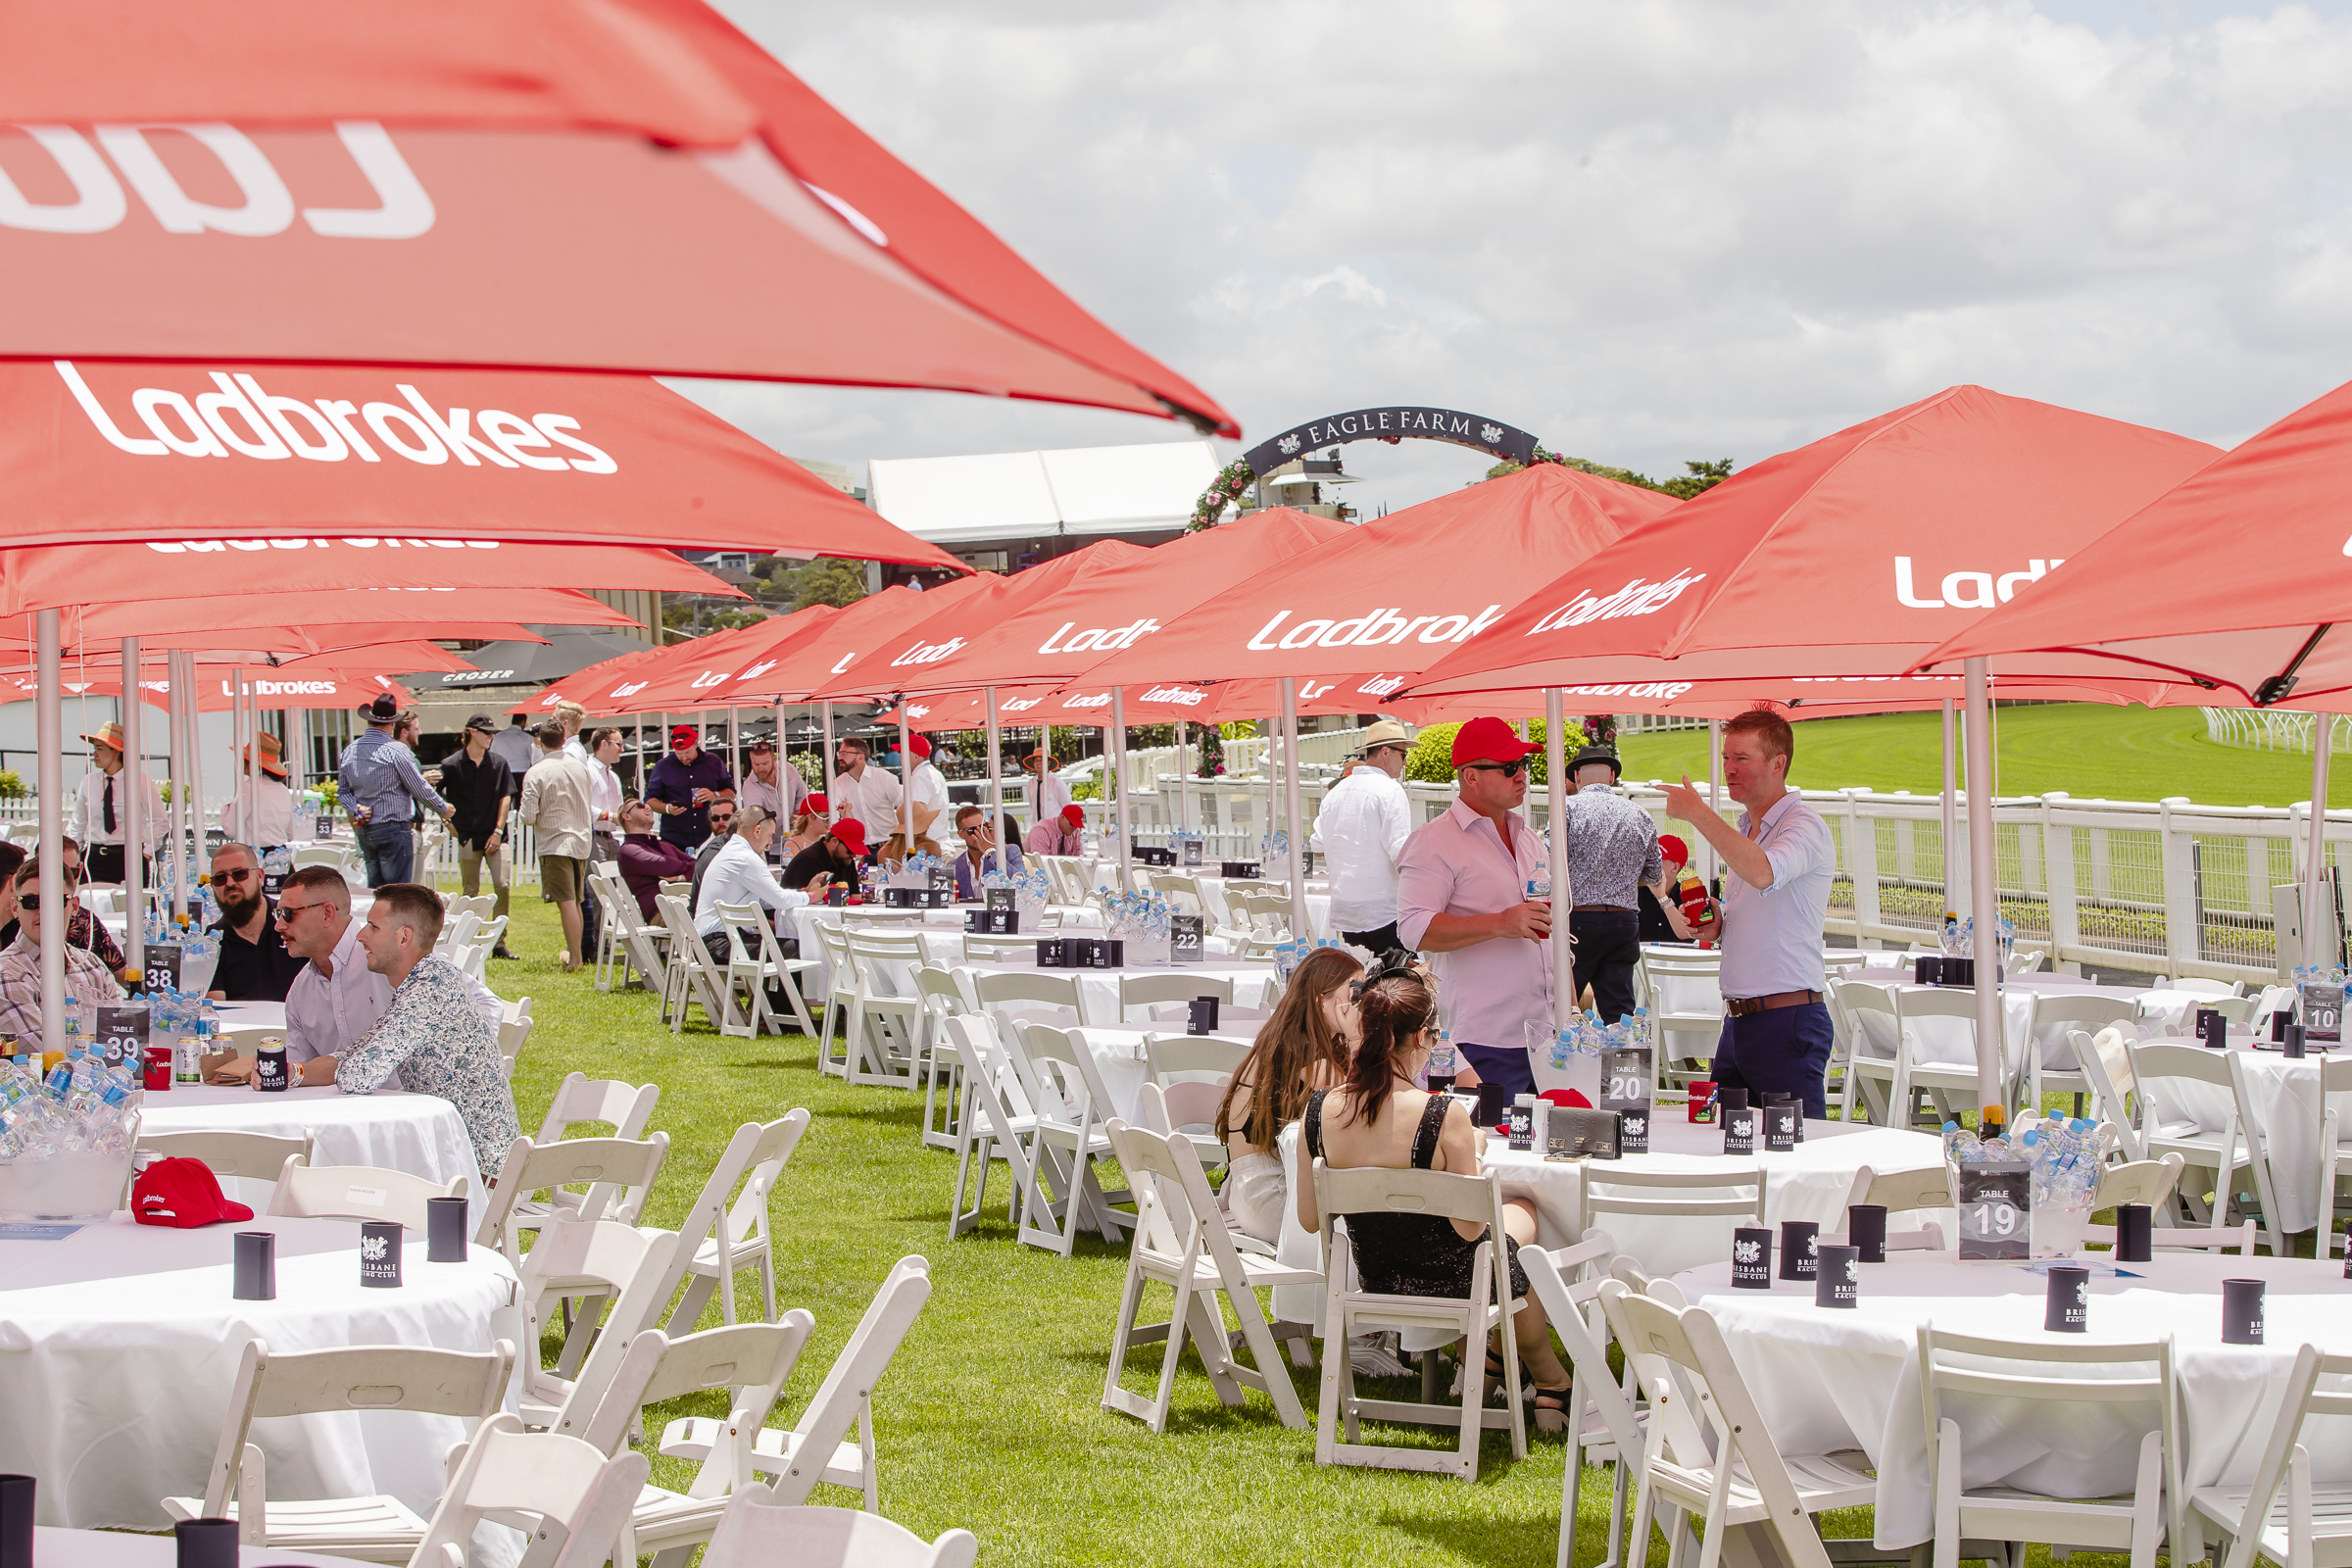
point(1953, 1040)
point(421, 1134)
point(120, 1343)
point(1810, 1181)
point(1118, 1053)
point(59, 1548)
point(942, 931)
point(1828, 1378)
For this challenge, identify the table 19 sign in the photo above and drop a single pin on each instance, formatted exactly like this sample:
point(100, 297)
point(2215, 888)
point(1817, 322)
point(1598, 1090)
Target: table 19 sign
point(1996, 1209)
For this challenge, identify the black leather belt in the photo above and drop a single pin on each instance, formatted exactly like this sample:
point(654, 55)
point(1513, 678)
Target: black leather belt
point(1744, 1007)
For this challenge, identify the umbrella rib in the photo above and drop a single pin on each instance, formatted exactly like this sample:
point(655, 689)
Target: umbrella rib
point(2280, 686)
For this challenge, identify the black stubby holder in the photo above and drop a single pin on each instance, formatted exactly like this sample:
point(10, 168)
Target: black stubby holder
point(2241, 1311)
point(445, 1230)
point(254, 1275)
point(1838, 1277)
point(1751, 1258)
point(206, 1542)
point(2067, 1308)
point(1493, 1104)
point(2135, 1232)
point(2293, 1045)
point(2279, 1022)
point(18, 1495)
point(1799, 1251)
point(379, 1254)
point(1927, 970)
point(1202, 1016)
point(1866, 1229)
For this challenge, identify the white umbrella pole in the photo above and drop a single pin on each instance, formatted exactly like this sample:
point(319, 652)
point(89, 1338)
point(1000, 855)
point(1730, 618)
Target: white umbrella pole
point(50, 782)
point(1563, 896)
point(1714, 790)
point(906, 780)
point(735, 751)
point(196, 856)
point(1984, 887)
point(1184, 819)
point(238, 740)
point(176, 682)
point(134, 826)
point(2315, 863)
point(825, 772)
point(1114, 760)
point(1299, 928)
point(1955, 871)
point(639, 756)
point(995, 779)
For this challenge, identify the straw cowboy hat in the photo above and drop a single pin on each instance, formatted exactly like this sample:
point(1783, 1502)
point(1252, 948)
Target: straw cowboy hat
point(272, 753)
point(924, 816)
point(1051, 759)
point(1388, 732)
point(109, 733)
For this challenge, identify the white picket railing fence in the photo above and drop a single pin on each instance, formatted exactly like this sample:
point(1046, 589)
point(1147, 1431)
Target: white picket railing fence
point(2165, 887)
point(2268, 729)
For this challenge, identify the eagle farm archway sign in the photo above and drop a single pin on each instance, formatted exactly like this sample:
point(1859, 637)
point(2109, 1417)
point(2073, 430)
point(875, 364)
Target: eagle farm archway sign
point(1392, 422)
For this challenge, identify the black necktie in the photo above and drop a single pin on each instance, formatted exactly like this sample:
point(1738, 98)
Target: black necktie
point(109, 817)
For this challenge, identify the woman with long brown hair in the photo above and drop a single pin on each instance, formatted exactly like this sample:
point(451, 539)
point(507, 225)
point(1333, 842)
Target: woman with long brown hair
point(1304, 1047)
point(1379, 1118)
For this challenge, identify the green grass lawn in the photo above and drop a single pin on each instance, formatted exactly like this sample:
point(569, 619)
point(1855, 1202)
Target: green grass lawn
point(989, 1416)
point(2086, 749)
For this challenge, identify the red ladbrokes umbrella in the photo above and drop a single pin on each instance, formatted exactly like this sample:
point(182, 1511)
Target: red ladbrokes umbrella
point(161, 571)
point(2236, 576)
point(171, 209)
point(1395, 594)
point(1118, 603)
point(321, 620)
point(905, 659)
point(323, 687)
point(689, 676)
point(1853, 555)
point(143, 451)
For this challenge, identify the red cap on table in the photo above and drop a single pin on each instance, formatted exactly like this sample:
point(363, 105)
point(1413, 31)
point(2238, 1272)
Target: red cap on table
point(182, 1193)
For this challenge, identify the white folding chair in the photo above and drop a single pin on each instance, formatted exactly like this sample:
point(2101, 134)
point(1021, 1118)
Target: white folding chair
point(750, 1362)
point(2106, 1060)
point(1683, 990)
point(2053, 1009)
point(840, 985)
point(582, 1496)
point(2193, 987)
point(1182, 1242)
point(606, 1259)
point(456, 929)
point(473, 952)
point(884, 1027)
point(1161, 989)
point(1204, 1058)
point(816, 1448)
point(626, 940)
point(755, 962)
point(942, 998)
point(691, 979)
point(2335, 1083)
point(1915, 1074)
point(1604, 1427)
point(579, 1099)
point(759, 1532)
point(1071, 1109)
point(1726, 1471)
point(1735, 1192)
point(726, 1230)
point(515, 1027)
point(1027, 992)
point(2151, 1182)
point(1903, 1192)
point(1859, 1002)
point(997, 1122)
point(1188, 1110)
point(2311, 1527)
point(2170, 1123)
point(356, 1191)
point(367, 1377)
point(1349, 1312)
point(617, 1172)
point(2035, 1372)
point(251, 1157)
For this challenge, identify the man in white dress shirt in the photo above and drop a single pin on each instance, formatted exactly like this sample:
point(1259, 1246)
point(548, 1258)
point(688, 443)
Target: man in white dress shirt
point(104, 802)
point(864, 792)
point(738, 874)
point(272, 821)
point(926, 784)
point(1048, 795)
point(1361, 829)
point(1780, 860)
point(603, 791)
point(335, 1001)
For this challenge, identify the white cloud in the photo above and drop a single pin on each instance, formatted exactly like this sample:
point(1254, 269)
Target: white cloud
point(1646, 231)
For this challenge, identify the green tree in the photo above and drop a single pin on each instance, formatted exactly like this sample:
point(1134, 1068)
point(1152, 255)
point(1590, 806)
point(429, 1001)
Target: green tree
point(838, 583)
point(1702, 476)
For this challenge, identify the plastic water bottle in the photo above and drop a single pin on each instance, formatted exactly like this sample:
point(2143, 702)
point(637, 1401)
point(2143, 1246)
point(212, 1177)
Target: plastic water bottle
point(1442, 1062)
point(72, 1023)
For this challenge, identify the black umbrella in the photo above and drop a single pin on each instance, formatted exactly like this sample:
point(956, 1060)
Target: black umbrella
point(567, 651)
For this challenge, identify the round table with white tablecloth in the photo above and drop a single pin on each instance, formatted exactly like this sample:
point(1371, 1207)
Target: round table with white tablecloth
point(2284, 1103)
point(60, 1547)
point(1810, 1181)
point(120, 1344)
point(942, 931)
point(1120, 1062)
point(391, 1129)
point(1830, 1379)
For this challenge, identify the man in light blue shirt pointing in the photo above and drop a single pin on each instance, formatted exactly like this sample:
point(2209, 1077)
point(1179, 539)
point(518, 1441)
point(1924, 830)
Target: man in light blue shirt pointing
point(1780, 860)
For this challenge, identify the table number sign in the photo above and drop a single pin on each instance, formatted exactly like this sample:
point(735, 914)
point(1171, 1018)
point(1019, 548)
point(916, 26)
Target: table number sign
point(122, 1033)
point(161, 967)
point(1625, 1078)
point(1003, 898)
point(2323, 1009)
point(324, 829)
point(1186, 942)
point(1192, 852)
point(1996, 1209)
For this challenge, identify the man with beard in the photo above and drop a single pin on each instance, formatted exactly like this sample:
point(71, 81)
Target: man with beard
point(255, 966)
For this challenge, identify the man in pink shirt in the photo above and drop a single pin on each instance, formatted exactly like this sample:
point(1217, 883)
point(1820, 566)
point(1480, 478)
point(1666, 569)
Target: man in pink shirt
point(1463, 893)
point(1058, 835)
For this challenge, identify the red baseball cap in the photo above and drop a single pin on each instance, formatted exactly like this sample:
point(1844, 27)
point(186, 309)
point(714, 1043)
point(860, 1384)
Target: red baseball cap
point(1489, 740)
point(816, 804)
point(851, 832)
point(1674, 848)
point(683, 735)
point(1074, 815)
point(182, 1193)
point(920, 746)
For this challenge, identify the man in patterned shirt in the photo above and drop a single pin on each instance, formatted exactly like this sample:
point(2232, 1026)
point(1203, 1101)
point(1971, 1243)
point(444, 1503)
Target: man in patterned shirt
point(432, 1034)
point(1611, 849)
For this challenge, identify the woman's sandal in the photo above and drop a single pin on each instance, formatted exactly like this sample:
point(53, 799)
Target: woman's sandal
point(1552, 1416)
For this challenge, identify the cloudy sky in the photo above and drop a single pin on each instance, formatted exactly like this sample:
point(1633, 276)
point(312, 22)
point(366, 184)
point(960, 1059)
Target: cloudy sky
point(1648, 231)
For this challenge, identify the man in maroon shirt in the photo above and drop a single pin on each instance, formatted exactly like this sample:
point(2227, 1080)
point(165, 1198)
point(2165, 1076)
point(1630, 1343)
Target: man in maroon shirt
point(646, 861)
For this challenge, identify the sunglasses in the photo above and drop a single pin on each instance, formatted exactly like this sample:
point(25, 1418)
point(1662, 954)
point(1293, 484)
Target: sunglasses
point(29, 901)
point(242, 873)
point(1506, 769)
point(287, 911)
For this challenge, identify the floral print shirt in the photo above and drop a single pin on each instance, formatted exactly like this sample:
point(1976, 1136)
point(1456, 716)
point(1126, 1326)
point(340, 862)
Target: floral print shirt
point(439, 1043)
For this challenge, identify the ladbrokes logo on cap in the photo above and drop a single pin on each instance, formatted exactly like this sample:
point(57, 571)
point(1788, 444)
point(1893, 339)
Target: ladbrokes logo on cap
point(239, 417)
point(1636, 598)
point(1372, 630)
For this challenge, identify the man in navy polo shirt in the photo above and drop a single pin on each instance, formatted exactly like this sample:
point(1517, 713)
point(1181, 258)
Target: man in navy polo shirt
point(683, 786)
